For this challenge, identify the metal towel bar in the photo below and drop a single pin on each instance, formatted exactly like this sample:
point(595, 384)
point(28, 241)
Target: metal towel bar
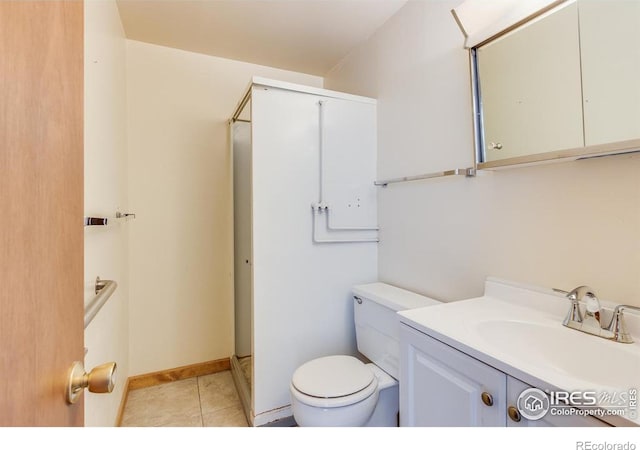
point(104, 289)
point(468, 172)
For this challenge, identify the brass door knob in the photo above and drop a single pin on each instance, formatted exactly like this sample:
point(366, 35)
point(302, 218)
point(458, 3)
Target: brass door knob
point(487, 399)
point(100, 380)
point(514, 414)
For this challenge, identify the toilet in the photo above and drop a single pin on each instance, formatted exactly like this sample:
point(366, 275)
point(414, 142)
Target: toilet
point(341, 390)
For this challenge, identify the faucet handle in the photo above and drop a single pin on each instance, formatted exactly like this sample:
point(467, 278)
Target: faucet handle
point(574, 316)
point(617, 325)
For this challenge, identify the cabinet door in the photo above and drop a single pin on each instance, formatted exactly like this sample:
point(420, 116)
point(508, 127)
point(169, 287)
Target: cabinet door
point(441, 386)
point(515, 387)
point(610, 59)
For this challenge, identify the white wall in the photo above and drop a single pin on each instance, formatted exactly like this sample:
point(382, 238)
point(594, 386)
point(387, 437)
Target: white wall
point(557, 225)
point(106, 252)
point(181, 250)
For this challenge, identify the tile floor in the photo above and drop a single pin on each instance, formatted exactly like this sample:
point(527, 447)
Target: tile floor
point(206, 401)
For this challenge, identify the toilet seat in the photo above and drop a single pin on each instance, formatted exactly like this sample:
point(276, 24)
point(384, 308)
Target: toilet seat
point(333, 381)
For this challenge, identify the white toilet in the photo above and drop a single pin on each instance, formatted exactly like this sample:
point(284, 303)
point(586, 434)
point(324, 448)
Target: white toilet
point(341, 390)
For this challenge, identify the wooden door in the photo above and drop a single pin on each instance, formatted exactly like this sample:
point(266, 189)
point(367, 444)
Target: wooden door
point(41, 207)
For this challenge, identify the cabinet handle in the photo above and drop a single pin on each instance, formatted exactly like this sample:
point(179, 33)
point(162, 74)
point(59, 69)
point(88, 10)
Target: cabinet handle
point(487, 399)
point(514, 414)
point(495, 146)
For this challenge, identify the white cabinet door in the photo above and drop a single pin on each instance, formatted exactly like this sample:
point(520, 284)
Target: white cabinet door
point(441, 386)
point(515, 419)
point(609, 42)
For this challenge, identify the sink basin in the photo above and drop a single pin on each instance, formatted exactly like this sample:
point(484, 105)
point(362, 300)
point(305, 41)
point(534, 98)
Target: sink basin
point(583, 357)
point(517, 329)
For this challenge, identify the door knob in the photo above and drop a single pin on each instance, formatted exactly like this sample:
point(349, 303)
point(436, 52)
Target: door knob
point(100, 380)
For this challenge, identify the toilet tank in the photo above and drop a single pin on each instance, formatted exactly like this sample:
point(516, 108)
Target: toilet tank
point(377, 325)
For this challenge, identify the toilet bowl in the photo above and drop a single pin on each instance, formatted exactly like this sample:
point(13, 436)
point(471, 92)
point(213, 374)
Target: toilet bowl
point(341, 390)
point(337, 390)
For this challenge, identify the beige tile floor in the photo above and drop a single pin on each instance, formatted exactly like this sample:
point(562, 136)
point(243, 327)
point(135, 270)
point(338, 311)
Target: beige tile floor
point(206, 401)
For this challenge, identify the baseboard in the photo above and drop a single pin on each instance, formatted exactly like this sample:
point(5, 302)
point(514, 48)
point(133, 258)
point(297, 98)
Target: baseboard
point(178, 373)
point(123, 403)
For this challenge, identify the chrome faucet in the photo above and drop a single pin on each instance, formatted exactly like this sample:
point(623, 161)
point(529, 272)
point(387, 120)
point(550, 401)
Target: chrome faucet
point(591, 322)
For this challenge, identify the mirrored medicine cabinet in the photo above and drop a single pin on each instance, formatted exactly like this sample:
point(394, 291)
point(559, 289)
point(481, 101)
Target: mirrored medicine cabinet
point(565, 84)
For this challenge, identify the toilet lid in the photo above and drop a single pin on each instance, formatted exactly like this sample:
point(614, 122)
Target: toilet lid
point(332, 376)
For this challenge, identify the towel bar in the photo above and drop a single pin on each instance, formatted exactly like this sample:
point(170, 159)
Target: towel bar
point(103, 290)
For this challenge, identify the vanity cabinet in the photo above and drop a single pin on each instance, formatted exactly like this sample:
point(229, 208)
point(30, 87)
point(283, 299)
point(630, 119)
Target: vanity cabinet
point(442, 386)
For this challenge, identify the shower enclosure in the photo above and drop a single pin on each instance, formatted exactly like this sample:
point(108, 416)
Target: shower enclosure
point(305, 232)
point(242, 360)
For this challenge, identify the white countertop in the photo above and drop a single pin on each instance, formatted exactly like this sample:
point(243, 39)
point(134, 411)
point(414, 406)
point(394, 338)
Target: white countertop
point(518, 330)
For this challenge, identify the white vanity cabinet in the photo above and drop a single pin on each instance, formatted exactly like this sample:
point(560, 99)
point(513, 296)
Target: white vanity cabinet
point(442, 386)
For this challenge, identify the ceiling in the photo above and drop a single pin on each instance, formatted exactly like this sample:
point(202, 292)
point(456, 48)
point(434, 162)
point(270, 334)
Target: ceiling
point(309, 36)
